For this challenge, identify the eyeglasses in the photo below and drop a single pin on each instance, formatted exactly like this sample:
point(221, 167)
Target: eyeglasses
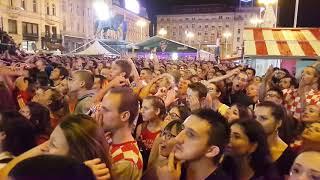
point(167, 135)
point(272, 95)
point(174, 116)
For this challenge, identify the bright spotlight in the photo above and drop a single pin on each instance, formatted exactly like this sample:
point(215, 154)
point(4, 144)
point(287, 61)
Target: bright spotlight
point(174, 56)
point(102, 10)
point(132, 5)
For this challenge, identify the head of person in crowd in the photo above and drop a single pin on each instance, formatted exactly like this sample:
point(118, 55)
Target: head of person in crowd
point(279, 73)
point(288, 82)
point(237, 112)
point(163, 84)
point(78, 136)
point(274, 95)
point(248, 144)
point(196, 93)
point(119, 109)
point(194, 79)
point(54, 101)
point(204, 138)
point(41, 65)
point(92, 64)
point(310, 77)
point(306, 166)
point(120, 68)
point(38, 115)
point(311, 113)
point(271, 116)
point(146, 75)
point(42, 80)
point(183, 87)
point(80, 81)
point(23, 84)
point(311, 136)
point(167, 141)
point(58, 74)
point(253, 92)
point(157, 73)
point(240, 82)
point(153, 108)
point(258, 79)
point(106, 72)
point(51, 167)
point(98, 82)
point(251, 73)
point(210, 74)
point(100, 66)
point(16, 133)
point(178, 112)
point(214, 91)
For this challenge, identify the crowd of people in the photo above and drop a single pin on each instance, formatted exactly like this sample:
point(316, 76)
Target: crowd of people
point(101, 118)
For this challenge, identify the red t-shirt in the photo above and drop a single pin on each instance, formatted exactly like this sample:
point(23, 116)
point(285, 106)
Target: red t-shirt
point(147, 137)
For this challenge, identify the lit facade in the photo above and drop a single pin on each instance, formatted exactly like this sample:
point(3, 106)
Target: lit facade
point(53, 24)
point(35, 24)
point(208, 28)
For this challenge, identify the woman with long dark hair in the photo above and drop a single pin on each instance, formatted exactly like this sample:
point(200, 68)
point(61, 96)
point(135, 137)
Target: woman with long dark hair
point(16, 136)
point(39, 117)
point(249, 152)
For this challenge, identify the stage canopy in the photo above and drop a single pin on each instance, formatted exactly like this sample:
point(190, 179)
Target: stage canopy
point(164, 45)
point(98, 48)
point(280, 43)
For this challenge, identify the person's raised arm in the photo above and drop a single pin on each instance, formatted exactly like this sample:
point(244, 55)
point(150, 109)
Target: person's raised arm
point(36, 151)
point(228, 75)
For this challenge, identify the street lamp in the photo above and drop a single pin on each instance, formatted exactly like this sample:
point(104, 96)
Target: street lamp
point(226, 35)
point(163, 32)
point(101, 8)
point(270, 3)
point(256, 21)
point(142, 24)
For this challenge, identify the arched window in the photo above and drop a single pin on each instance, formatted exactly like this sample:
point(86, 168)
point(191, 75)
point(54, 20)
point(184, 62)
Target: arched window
point(53, 9)
point(23, 4)
point(48, 9)
point(34, 5)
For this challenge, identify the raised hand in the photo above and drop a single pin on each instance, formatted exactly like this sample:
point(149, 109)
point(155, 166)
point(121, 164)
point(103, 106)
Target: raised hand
point(171, 171)
point(99, 169)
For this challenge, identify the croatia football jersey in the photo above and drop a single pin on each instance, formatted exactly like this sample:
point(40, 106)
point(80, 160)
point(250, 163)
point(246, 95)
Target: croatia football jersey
point(127, 161)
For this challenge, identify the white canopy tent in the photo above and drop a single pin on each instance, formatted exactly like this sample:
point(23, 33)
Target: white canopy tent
point(96, 48)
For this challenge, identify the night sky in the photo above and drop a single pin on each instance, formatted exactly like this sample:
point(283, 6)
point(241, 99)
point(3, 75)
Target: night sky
point(309, 15)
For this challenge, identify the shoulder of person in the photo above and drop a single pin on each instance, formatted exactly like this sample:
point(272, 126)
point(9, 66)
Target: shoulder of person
point(126, 169)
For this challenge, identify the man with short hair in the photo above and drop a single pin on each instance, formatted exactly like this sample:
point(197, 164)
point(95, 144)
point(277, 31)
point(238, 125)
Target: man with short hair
point(251, 73)
point(80, 83)
point(238, 92)
point(201, 145)
point(120, 68)
point(196, 94)
point(274, 95)
point(57, 75)
point(146, 75)
point(118, 111)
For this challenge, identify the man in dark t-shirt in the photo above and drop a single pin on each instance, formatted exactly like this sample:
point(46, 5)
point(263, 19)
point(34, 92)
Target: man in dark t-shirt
point(200, 146)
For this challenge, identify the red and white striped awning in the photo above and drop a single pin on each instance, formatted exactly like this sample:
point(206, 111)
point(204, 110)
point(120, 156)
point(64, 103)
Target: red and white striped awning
point(282, 43)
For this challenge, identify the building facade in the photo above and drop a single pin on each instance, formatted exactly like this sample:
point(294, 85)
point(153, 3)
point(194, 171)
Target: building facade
point(35, 24)
point(69, 24)
point(205, 27)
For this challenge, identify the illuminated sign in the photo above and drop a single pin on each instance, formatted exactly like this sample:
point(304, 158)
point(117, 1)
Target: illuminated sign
point(132, 5)
point(246, 1)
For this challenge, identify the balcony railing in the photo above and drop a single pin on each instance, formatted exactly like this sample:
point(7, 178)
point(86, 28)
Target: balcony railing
point(52, 38)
